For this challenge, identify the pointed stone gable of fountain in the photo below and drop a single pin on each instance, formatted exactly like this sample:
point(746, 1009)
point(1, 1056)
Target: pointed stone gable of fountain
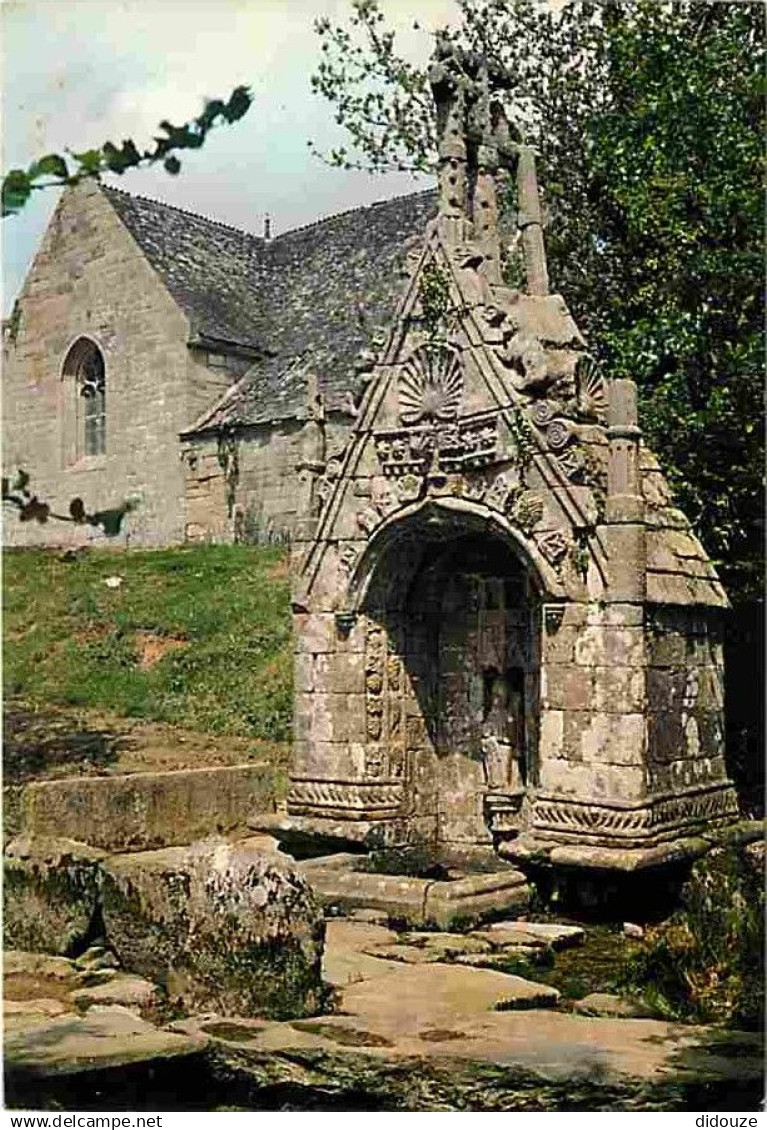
point(486, 398)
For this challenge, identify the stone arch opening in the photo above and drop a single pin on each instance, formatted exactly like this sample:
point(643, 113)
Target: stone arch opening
point(84, 376)
point(452, 624)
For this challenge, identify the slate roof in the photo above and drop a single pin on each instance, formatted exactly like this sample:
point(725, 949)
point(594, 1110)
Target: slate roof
point(214, 272)
point(307, 300)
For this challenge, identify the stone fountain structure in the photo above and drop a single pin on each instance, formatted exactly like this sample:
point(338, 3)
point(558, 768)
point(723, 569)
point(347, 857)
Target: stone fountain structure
point(506, 633)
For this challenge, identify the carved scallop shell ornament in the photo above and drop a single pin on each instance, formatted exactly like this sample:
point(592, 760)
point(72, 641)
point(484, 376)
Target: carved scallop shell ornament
point(430, 385)
point(592, 389)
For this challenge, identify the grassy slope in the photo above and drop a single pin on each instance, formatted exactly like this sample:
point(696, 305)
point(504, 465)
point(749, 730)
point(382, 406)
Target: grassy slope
point(199, 637)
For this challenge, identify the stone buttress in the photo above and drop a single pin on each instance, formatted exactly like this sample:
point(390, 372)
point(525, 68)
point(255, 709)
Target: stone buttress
point(505, 632)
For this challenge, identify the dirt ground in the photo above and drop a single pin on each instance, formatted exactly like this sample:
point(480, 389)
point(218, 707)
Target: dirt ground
point(52, 741)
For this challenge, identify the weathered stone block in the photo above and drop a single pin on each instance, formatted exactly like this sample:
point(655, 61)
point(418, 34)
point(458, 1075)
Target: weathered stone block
point(147, 810)
point(559, 646)
point(224, 927)
point(614, 739)
point(619, 690)
point(599, 646)
point(551, 735)
point(50, 893)
point(303, 672)
point(667, 649)
point(345, 673)
point(348, 712)
point(315, 632)
point(565, 687)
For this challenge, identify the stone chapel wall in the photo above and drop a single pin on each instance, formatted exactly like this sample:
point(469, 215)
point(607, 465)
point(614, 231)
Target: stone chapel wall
point(260, 500)
point(89, 279)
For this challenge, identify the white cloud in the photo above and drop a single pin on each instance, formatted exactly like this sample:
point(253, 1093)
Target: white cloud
point(77, 72)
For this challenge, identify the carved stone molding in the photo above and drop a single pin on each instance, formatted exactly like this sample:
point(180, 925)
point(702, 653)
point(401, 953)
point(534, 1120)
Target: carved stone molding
point(470, 442)
point(503, 811)
point(351, 800)
point(659, 818)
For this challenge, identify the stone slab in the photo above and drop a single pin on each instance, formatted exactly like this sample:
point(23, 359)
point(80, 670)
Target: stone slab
point(374, 1051)
point(554, 934)
point(38, 965)
point(527, 849)
point(349, 954)
point(106, 1036)
point(132, 992)
point(608, 1004)
point(142, 811)
point(416, 996)
point(419, 902)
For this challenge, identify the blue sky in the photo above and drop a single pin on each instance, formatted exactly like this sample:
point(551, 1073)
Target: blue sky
point(79, 72)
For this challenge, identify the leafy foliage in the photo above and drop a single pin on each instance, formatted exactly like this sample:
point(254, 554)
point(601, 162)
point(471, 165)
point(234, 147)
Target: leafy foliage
point(30, 508)
point(706, 963)
point(217, 617)
point(55, 170)
point(646, 118)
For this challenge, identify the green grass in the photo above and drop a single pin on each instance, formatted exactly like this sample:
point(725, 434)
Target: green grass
point(216, 619)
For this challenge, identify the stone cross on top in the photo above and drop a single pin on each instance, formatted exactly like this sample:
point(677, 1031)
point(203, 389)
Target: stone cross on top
point(477, 143)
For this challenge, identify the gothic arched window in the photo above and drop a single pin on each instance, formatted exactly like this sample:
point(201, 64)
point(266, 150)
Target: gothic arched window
point(84, 366)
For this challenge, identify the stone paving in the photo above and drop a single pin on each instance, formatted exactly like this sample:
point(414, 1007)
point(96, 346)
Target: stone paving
point(65, 1017)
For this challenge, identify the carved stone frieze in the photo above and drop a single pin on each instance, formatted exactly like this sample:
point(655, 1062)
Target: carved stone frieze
point(656, 819)
point(409, 489)
point(375, 681)
point(527, 511)
point(572, 463)
point(503, 811)
point(333, 469)
point(345, 799)
point(468, 443)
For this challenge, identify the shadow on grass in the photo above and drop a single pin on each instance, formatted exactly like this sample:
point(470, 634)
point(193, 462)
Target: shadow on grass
point(39, 743)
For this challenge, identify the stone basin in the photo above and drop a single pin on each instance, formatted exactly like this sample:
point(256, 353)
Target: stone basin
point(341, 886)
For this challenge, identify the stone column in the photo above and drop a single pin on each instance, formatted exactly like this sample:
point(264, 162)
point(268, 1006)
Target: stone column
point(485, 212)
point(624, 506)
point(449, 89)
point(311, 458)
point(530, 223)
point(484, 204)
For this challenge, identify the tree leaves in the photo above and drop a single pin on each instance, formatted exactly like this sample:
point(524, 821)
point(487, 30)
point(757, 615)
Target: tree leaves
point(54, 170)
point(648, 122)
point(30, 508)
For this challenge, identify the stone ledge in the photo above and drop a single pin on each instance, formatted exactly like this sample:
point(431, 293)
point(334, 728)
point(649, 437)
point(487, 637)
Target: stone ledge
point(420, 902)
point(528, 850)
point(141, 811)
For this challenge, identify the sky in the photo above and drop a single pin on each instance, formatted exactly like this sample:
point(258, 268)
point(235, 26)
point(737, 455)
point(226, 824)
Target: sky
point(76, 73)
